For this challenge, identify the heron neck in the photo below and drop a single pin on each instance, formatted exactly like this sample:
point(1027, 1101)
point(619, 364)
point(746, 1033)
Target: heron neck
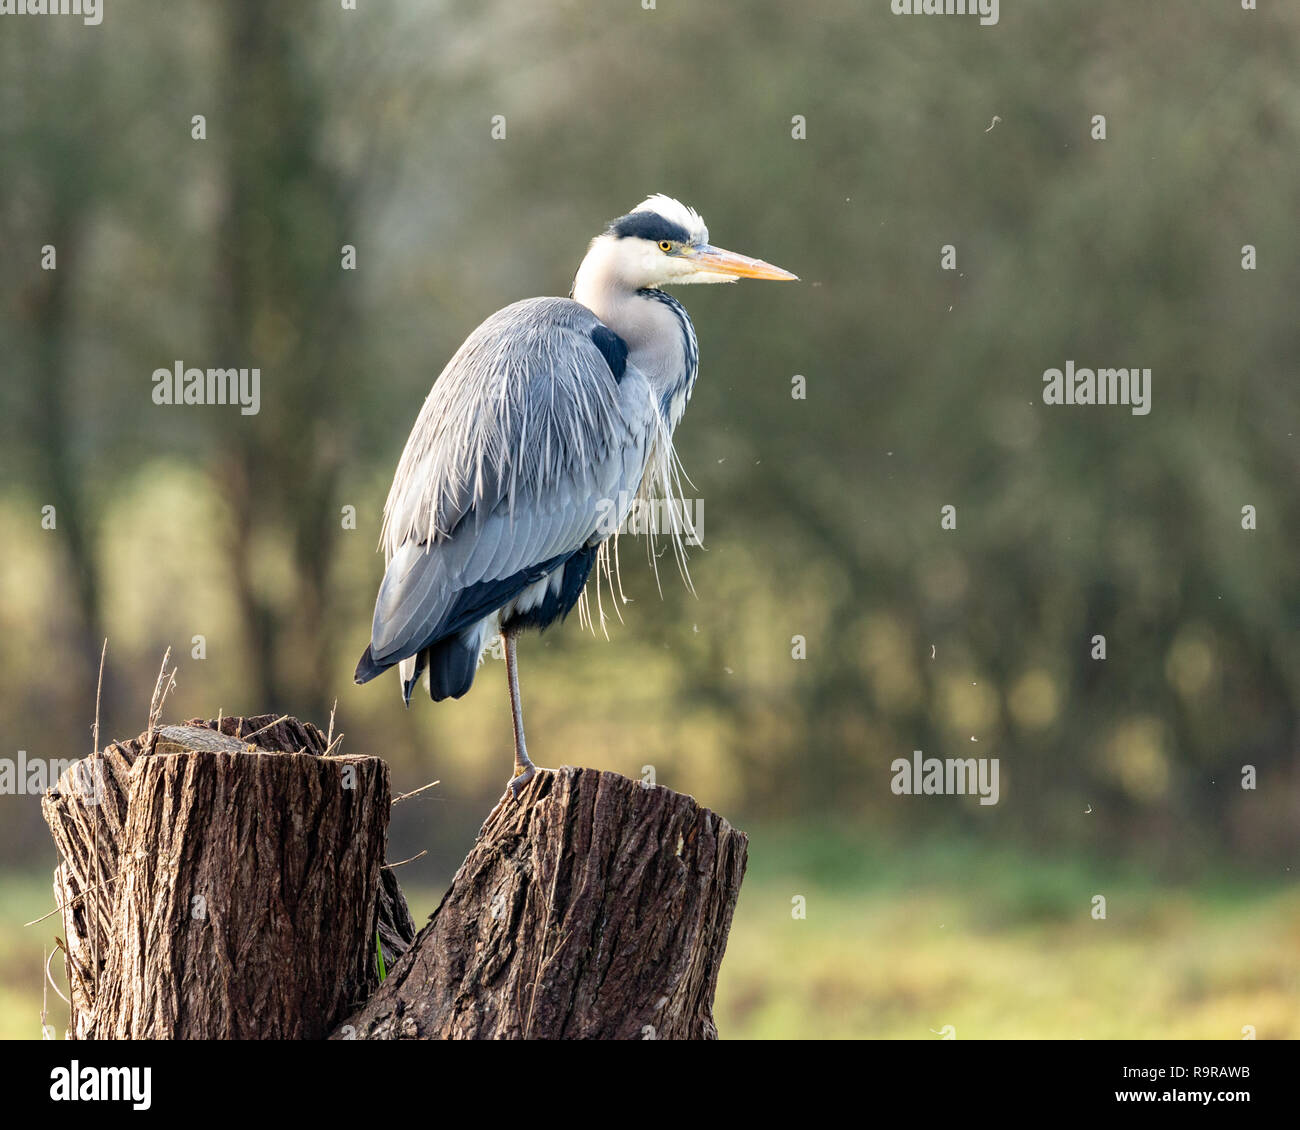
point(660, 338)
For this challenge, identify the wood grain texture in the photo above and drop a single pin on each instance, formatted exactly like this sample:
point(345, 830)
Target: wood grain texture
point(238, 895)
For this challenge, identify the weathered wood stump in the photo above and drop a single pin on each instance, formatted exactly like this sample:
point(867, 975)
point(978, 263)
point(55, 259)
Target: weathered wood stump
point(229, 882)
point(220, 887)
point(593, 908)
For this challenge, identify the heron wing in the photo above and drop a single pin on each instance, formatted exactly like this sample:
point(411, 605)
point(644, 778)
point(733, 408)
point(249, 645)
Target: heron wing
point(513, 465)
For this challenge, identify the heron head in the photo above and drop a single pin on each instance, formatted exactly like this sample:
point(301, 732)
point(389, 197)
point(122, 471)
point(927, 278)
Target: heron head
point(662, 242)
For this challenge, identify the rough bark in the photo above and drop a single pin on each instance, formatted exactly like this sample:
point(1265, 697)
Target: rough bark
point(223, 887)
point(593, 908)
point(228, 881)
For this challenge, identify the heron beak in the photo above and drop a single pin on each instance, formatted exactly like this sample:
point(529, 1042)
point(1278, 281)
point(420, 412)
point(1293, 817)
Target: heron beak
point(722, 262)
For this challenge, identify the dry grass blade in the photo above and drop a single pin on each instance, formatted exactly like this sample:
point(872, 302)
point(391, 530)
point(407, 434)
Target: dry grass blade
point(49, 978)
point(262, 729)
point(416, 792)
point(528, 1024)
point(95, 768)
point(162, 685)
point(70, 903)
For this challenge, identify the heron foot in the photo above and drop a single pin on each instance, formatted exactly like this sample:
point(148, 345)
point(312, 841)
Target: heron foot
point(523, 775)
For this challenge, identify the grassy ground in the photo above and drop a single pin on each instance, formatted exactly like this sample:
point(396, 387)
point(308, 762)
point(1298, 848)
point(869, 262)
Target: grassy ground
point(899, 944)
point(1001, 946)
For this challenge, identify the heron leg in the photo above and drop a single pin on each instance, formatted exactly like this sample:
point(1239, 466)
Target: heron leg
point(525, 770)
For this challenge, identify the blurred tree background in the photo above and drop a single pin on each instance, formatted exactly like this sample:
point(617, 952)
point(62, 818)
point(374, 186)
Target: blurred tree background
point(373, 128)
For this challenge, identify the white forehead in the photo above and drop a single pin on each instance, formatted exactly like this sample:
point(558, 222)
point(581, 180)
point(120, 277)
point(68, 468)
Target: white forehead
point(678, 212)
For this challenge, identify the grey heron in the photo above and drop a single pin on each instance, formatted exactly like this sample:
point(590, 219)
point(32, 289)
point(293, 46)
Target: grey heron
point(551, 416)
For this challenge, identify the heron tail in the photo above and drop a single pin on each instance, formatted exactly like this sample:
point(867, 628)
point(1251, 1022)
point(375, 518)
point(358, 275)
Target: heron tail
point(452, 663)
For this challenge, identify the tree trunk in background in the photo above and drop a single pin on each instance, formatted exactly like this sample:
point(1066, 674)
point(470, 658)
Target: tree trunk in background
point(60, 480)
point(283, 304)
point(234, 894)
point(595, 908)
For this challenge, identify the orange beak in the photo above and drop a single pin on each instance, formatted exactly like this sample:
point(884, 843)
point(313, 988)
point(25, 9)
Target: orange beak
point(739, 266)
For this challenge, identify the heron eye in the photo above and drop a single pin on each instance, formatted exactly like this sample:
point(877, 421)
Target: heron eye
point(665, 245)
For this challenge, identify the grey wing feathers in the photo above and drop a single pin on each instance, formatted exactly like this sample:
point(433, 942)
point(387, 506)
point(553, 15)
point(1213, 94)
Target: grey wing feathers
point(528, 403)
point(502, 478)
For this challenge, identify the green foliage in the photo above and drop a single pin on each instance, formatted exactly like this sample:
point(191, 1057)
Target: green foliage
point(821, 515)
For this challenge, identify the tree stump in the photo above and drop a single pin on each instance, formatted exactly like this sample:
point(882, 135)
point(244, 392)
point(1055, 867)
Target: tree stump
point(215, 886)
point(229, 882)
point(594, 908)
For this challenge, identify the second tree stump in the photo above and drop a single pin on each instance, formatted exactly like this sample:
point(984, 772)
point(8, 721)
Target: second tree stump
point(594, 908)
